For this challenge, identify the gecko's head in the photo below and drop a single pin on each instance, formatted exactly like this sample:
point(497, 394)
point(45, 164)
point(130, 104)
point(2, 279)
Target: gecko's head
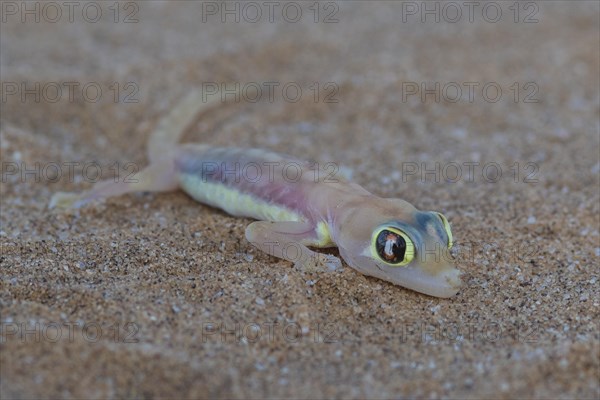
point(413, 252)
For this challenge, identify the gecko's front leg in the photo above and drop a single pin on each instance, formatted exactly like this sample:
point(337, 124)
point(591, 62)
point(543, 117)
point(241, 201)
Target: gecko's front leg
point(289, 240)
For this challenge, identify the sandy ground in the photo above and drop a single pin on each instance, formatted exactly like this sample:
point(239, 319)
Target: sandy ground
point(154, 295)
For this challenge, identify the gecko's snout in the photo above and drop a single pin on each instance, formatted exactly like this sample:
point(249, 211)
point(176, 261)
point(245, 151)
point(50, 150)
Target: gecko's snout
point(452, 278)
point(445, 284)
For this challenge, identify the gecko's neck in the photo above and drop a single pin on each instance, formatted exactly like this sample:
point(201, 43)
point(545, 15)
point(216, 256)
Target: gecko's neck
point(343, 210)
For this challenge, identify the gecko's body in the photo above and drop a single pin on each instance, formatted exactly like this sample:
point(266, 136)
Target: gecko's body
point(256, 183)
point(298, 205)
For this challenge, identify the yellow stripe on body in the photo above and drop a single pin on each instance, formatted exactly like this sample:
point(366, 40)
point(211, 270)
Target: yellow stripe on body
point(233, 202)
point(324, 236)
point(246, 205)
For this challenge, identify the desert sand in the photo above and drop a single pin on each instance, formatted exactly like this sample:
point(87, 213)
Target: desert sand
point(489, 116)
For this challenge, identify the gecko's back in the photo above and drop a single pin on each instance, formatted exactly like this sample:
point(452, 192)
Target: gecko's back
point(254, 183)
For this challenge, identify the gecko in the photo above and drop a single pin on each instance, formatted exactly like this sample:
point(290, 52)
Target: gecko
point(386, 238)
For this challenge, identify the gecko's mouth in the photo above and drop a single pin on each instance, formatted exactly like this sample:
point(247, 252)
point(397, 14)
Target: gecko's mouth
point(446, 283)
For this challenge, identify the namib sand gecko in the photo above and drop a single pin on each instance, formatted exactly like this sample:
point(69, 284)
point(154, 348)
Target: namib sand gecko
point(386, 238)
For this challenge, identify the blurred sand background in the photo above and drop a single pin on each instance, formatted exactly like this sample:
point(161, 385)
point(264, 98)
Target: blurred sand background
point(154, 295)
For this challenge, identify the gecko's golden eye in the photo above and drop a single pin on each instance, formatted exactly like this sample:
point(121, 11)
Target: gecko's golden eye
point(447, 228)
point(394, 247)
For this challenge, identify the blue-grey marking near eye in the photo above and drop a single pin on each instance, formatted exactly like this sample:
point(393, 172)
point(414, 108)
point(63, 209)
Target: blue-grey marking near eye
point(427, 220)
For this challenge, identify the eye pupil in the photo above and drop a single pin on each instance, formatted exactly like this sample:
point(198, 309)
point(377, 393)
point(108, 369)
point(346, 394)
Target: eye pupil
point(391, 247)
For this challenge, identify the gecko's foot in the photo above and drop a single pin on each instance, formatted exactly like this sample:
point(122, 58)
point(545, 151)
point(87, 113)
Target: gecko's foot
point(332, 263)
point(64, 200)
point(319, 262)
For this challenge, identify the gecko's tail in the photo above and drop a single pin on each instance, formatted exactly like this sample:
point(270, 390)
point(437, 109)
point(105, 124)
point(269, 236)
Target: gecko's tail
point(171, 127)
point(159, 175)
